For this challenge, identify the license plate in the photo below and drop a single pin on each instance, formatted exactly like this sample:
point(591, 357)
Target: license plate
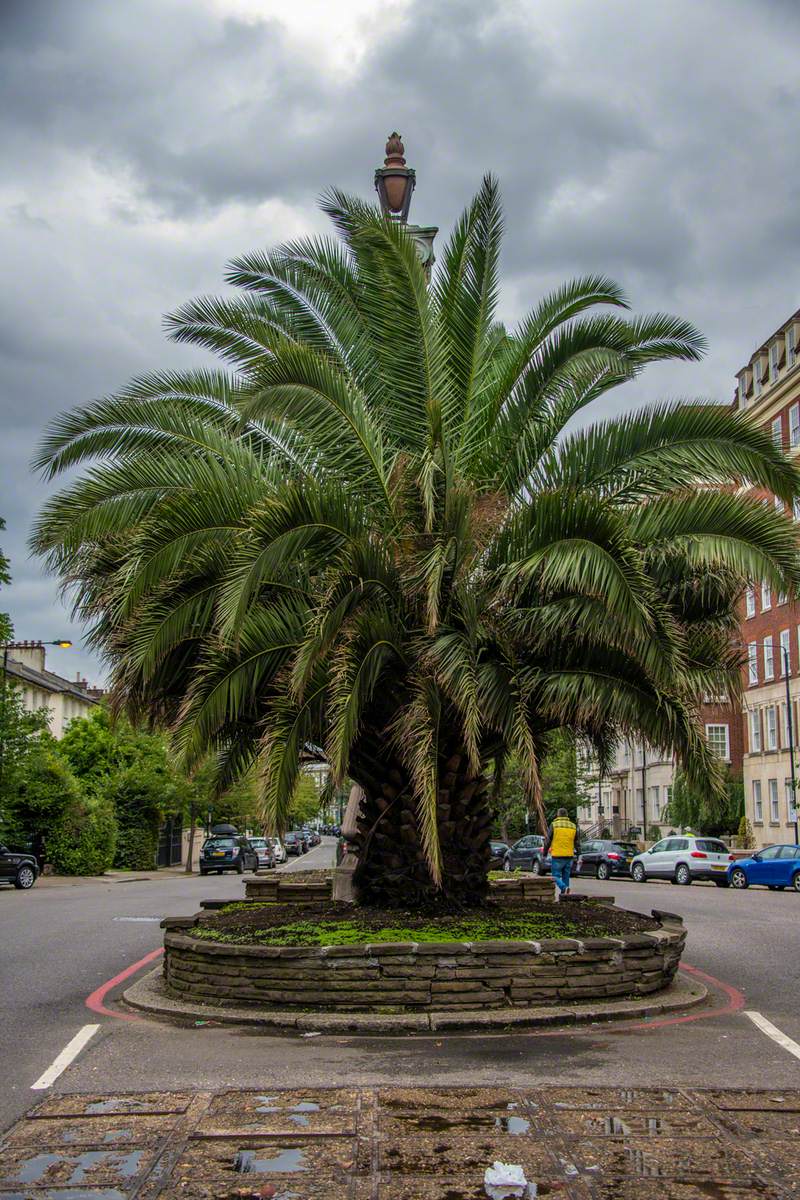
point(218, 854)
point(717, 867)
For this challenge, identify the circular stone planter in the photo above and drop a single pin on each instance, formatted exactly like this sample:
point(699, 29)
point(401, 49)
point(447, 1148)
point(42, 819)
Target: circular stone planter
point(420, 976)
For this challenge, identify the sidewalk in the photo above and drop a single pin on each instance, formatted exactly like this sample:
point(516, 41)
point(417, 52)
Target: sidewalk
point(407, 1144)
point(56, 881)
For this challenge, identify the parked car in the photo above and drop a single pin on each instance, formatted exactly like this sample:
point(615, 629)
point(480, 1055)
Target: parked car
point(278, 850)
point(295, 842)
point(684, 859)
point(605, 858)
point(18, 868)
point(498, 852)
point(527, 855)
point(775, 867)
point(265, 851)
point(222, 853)
point(311, 836)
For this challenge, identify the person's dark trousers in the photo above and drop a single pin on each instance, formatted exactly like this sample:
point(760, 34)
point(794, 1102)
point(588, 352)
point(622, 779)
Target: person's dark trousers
point(561, 868)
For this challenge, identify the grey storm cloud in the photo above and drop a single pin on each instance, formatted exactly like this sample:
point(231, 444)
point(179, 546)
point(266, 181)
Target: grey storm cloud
point(142, 144)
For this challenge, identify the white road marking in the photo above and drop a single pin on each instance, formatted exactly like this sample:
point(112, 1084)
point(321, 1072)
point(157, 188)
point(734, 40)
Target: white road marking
point(772, 1031)
point(67, 1055)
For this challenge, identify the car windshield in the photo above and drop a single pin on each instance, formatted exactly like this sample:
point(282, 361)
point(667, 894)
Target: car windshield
point(258, 842)
point(711, 847)
point(220, 843)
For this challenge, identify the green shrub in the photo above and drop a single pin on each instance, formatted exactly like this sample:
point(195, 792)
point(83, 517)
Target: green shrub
point(744, 835)
point(83, 838)
point(136, 849)
point(654, 833)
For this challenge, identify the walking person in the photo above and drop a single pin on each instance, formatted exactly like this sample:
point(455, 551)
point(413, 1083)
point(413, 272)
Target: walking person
point(562, 842)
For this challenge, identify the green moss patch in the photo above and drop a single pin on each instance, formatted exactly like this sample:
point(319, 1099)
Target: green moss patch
point(342, 925)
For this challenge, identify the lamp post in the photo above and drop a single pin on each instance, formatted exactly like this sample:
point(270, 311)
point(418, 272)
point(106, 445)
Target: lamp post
point(395, 183)
point(785, 658)
point(65, 644)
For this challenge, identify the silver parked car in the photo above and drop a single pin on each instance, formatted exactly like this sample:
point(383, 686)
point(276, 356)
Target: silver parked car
point(279, 850)
point(682, 859)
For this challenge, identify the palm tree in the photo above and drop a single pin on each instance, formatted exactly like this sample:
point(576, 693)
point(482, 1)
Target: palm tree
point(382, 536)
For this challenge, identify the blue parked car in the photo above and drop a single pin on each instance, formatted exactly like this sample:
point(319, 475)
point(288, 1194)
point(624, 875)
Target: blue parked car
point(776, 867)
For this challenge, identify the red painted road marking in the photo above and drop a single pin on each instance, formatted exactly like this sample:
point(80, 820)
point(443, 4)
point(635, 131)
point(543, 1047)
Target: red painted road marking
point(95, 1001)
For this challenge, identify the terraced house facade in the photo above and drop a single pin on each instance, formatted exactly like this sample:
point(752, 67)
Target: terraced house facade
point(768, 387)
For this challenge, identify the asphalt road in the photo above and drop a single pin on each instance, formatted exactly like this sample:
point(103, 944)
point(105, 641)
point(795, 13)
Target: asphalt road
point(59, 942)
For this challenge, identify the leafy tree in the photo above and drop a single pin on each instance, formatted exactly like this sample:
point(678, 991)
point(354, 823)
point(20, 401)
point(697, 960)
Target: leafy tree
point(745, 834)
point(305, 801)
point(383, 534)
point(703, 810)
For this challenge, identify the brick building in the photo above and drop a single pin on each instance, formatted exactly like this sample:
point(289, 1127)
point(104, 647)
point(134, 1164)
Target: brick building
point(768, 387)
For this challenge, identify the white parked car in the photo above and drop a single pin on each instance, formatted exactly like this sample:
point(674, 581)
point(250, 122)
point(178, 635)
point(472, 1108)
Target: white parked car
point(279, 851)
point(682, 859)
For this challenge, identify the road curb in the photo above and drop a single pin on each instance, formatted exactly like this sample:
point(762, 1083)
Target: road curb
point(148, 995)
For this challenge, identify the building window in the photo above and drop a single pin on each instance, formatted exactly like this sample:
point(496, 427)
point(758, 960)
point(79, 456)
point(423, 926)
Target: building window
point(794, 425)
point(750, 602)
point(774, 365)
point(769, 659)
point(772, 727)
point(653, 800)
point(790, 347)
point(755, 731)
point(758, 807)
point(752, 660)
point(766, 597)
point(791, 811)
point(743, 392)
point(718, 741)
point(777, 432)
point(785, 653)
point(774, 811)
point(667, 798)
point(757, 377)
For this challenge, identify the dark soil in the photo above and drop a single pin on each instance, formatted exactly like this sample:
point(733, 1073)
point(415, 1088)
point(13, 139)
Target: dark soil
point(322, 924)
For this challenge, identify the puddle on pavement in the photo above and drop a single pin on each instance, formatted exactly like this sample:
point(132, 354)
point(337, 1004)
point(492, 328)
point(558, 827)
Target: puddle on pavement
point(69, 1168)
point(296, 1113)
point(284, 1163)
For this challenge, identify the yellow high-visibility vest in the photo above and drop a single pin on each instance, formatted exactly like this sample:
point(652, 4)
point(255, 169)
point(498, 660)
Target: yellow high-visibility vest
point(563, 845)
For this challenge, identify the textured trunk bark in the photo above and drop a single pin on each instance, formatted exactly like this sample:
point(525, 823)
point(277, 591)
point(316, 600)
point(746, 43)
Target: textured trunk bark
point(392, 871)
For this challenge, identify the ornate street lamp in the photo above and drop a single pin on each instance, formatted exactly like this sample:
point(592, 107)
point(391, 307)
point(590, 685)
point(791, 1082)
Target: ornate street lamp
point(394, 183)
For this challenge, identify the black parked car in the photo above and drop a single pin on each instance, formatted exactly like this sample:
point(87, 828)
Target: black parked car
point(18, 868)
point(227, 853)
point(498, 851)
point(295, 842)
point(605, 858)
point(527, 855)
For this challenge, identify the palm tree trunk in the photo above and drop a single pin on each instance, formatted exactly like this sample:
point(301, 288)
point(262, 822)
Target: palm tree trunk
point(392, 871)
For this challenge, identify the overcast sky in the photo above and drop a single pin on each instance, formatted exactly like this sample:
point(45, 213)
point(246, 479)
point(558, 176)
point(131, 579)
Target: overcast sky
point(144, 143)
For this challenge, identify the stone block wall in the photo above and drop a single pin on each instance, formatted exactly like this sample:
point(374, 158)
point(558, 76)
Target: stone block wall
point(514, 892)
point(420, 976)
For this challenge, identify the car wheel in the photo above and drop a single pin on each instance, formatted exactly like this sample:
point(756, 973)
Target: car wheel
point(240, 867)
point(536, 867)
point(739, 879)
point(203, 871)
point(721, 882)
point(603, 870)
point(638, 873)
point(796, 882)
point(26, 878)
point(506, 865)
point(683, 875)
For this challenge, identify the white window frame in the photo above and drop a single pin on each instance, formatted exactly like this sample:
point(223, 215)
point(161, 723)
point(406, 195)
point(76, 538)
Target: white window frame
point(774, 803)
point(776, 429)
point(766, 597)
point(791, 351)
point(750, 599)
point(752, 660)
point(716, 744)
point(758, 803)
point(785, 636)
point(774, 361)
point(769, 658)
point(791, 813)
point(771, 727)
point(755, 731)
point(757, 377)
point(784, 725)
point(794, 425)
